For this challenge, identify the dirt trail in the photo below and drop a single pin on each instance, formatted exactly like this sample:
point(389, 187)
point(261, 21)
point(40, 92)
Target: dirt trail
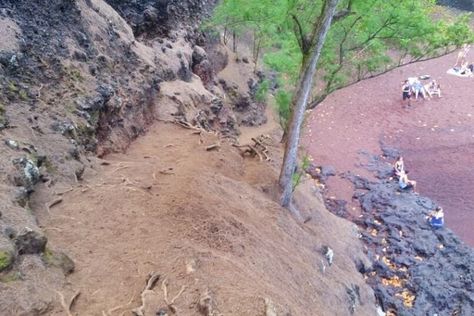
point(436, 137)
point(203, 221)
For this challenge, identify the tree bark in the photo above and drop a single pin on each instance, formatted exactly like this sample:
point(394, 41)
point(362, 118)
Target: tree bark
point(301, 97)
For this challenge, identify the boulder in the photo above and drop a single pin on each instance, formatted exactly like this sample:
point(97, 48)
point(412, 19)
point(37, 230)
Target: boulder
point(199, 55)
point(29, 241)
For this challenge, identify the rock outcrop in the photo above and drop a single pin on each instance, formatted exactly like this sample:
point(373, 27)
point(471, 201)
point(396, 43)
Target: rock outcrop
point(416, 269)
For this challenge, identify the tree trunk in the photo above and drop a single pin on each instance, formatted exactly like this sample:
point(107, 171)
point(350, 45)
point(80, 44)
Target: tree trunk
point(225, 35)
point(234, 44)
point(257, 55)
point(301, 97)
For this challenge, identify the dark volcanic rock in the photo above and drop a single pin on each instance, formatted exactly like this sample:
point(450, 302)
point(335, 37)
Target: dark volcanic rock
point(435, 268)
point(321, 173)
point(30, 242)
point(199, 55)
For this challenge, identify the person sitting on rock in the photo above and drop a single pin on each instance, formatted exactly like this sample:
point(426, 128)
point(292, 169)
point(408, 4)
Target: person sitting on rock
point(436, 218)
point(405, 183)
point(399, 167)
point(434, 88)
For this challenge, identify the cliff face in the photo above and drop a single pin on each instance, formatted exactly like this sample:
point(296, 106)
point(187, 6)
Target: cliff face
point(74, 81)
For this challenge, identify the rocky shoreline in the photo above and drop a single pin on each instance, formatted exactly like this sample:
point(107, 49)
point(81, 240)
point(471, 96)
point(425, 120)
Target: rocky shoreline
point(416, 270)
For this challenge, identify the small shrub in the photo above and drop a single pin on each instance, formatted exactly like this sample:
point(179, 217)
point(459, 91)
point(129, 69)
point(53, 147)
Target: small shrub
point(6, 259)
point(297, 176)
point(262, 91)
point(283, 101)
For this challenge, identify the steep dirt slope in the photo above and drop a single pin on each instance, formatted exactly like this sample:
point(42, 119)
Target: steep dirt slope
point(202, 220)
point(81, 78)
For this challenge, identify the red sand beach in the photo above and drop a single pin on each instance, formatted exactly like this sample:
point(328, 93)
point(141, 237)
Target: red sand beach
point(435, 136)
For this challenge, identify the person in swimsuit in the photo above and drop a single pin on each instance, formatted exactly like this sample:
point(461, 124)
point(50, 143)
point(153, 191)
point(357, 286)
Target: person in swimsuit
point(399, 167)
point(406, 91)
point(436, 218)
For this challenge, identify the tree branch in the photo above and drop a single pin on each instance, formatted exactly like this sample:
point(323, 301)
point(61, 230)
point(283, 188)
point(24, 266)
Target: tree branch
point(317, 100)
point(343, 13)
point(300, 36)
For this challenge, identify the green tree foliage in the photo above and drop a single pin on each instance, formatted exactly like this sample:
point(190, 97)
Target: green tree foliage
point(367, 37)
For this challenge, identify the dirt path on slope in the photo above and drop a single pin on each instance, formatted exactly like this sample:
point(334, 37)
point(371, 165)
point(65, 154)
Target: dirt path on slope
point(436, 137)
point(203, 220)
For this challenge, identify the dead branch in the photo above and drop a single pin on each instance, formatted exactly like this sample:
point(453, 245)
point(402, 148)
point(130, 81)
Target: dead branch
point(188, 125)
point(55, 202)
point(39, 91)
point(154, 277)
point(64, 192)
point(68, 307)
point(215, 146)
point(166, 171)
point(120, 168)
point(51, 204)
point(264, 149)
point(256, 152)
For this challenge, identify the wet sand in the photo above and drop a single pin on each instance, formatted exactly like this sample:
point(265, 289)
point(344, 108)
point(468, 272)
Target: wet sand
point(435, 136)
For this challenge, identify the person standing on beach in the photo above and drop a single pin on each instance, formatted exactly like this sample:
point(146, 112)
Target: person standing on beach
point(406, 92)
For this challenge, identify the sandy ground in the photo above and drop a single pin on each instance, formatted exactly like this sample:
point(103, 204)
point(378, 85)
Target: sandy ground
point(435, 136)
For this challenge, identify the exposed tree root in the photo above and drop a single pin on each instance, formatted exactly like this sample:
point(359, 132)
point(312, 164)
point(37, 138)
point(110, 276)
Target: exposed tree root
point(116, 308)
point(187, 125)
point(49, 205)
point(205, 304)
point(170, 304)
point(150, 284)
point(68, 307)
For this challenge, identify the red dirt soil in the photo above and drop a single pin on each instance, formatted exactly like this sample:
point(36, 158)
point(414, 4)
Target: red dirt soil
point(436, 136)
point(205, 222)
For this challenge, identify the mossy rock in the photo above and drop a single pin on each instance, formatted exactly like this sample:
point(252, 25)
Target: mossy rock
point(6, 259)
point(58, 260)
point(11, 276)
